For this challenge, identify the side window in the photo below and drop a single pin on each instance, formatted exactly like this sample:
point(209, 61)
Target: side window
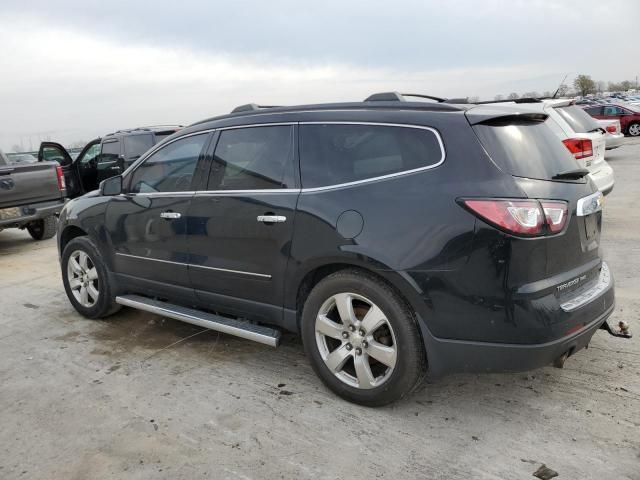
point(594, 110)
point(335, 154)
point(91, 153)
point(254, 158)
point(110, 152)
point(136, 145)
point(171, 168)
point(611, 111)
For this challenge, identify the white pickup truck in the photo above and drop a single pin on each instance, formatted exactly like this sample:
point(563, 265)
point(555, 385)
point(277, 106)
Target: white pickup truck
point(31, 196)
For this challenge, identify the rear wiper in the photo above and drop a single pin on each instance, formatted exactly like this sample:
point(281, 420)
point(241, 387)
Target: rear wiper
point(574, 174)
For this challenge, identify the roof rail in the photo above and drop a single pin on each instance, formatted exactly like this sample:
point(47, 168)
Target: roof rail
point(399, 97)
point(513, 100)
point(251, 107)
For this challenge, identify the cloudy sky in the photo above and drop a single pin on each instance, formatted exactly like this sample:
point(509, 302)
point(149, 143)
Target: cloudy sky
point(76, 69)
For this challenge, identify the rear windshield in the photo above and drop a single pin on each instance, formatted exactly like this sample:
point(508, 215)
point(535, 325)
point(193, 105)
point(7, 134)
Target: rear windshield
point(136, 145)
point(578, 119)
point(525, 148)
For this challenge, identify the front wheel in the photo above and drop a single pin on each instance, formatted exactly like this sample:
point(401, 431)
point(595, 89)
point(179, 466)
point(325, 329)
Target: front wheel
point(362, 339)
point(44, 228)
point(634, 129)
point(86, 279)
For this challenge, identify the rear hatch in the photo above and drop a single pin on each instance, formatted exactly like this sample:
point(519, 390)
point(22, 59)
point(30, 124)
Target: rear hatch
point(585, 127)
point(28, 183)
point(522, 145)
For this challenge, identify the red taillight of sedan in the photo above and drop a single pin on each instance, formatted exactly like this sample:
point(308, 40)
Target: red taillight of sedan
point(579, 147)
point(612, 129)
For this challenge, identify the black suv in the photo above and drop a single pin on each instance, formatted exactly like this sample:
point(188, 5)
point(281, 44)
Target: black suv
point(104, 157)
point(396, 236)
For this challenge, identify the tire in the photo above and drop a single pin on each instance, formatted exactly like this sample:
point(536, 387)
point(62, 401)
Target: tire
point(88, 277)
point(396, 340)
point(634, 129)
point(44, 228)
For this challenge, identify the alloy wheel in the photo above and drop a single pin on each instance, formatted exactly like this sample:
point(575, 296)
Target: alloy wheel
point(82, 276)
point(356, 340)
point(634, 129)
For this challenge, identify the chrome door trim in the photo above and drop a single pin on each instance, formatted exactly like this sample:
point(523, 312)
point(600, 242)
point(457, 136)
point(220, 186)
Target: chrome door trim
point(189, 265)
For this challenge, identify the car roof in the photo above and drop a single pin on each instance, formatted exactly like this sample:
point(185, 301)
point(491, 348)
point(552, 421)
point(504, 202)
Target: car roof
point(142, 130)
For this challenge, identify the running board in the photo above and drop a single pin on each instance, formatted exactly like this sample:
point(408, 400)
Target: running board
point(231, 326)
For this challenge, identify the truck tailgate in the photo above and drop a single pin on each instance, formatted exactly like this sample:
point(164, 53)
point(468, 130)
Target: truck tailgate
point(30, 183)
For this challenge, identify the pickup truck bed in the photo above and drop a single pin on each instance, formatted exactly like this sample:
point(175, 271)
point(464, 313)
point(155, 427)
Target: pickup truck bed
point(31, 195)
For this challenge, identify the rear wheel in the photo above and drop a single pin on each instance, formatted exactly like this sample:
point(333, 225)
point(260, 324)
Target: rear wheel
point(362, 340)
point(634, 129)
point(86, 279)
point(43, 228)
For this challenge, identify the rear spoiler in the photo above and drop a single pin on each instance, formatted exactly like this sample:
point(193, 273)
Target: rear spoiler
point(490, 114)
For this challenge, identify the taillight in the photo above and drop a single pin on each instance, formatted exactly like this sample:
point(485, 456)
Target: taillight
point(579, 147)
point(611, 129)
point(61, 183)
point(555, 214)
point(521, 217)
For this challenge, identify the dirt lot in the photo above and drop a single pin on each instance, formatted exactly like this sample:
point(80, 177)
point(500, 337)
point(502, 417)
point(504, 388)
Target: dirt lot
point(139, 396)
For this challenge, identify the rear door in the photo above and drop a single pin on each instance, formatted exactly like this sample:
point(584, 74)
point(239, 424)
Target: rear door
point(54, 152)
point(241, 227)
point(147, 224)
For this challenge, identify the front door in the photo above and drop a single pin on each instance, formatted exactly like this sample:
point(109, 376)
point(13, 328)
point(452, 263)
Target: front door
point(86, 167)
point(148, 223)
point(240, 228)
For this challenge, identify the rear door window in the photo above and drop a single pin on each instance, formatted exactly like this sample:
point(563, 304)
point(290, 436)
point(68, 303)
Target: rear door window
point(334, 154)
point(254, 158)
point(594, 110)
point(579, 120)
point(110, 152)
point(525, 148)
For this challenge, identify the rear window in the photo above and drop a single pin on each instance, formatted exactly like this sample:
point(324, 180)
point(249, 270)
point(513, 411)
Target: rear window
point(333, 154)
point(578, 119)
point(525, 149)
point(136, 145)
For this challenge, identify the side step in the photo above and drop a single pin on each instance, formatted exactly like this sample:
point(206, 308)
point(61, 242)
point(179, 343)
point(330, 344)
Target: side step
point(239, 328)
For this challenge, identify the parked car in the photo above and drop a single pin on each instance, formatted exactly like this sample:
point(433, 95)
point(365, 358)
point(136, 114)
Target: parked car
point(580, 134)
point(31, 195)
point(627, 115)
point(103, 157)
point(395, 236)
point(614, 136)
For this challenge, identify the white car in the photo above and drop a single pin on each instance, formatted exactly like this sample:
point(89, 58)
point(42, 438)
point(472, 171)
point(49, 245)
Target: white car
point(580, 134)
point(614, 136)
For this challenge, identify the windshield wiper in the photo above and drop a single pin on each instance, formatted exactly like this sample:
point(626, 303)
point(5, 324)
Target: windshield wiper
point(574, 174)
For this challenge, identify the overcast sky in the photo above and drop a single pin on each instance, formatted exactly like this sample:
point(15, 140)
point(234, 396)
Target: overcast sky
point(73, 70)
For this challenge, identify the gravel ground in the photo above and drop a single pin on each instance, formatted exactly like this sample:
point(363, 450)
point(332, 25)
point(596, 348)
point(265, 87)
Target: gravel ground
point(138, 396)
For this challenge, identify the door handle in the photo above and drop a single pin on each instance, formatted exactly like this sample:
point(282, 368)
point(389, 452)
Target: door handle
point(272, 218)
point(170, 215)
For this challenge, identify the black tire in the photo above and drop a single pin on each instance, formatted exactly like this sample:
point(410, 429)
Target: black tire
point(105, 304)
point(44, 228)
point(633, 129)
point(411, 365)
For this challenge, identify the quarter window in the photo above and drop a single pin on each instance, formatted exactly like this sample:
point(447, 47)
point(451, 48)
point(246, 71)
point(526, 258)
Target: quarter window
point(254, 158)
point(171, 168)
point(335, 154)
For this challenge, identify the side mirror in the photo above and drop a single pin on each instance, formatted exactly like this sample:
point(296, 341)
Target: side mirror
point(111, 186)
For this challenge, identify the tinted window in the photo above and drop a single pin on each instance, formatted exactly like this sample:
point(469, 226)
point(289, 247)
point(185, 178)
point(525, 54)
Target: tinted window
point(594, 110)
point(91, 153)
point(171, 168)
point(578, 119)
point(136, 145)
point(525, 149)
point(253, 158)
point(335, 154)
point(612, 110)
point(110, 152)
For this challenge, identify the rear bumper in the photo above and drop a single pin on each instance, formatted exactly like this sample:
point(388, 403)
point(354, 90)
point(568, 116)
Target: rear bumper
point(614, 141)
point(569, 321)
point(32, 212)
point(453, 356)
point(603, 178)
